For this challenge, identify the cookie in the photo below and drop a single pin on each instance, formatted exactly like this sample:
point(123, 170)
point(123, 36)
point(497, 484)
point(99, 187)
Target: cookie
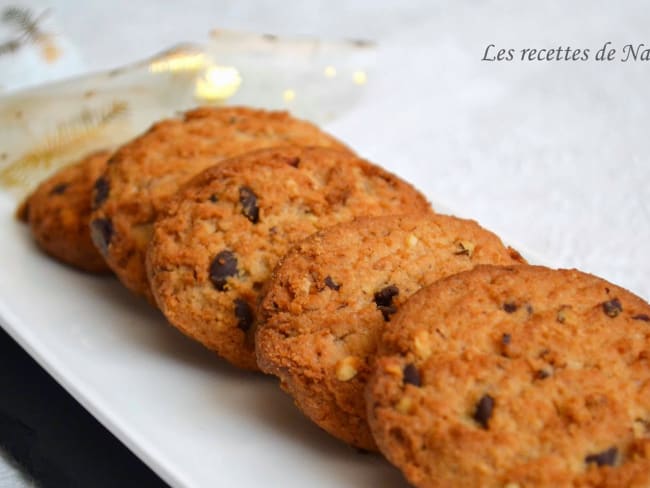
point(145, 173)
point(332, 294)
point(216, 246)
point(514, 377)
point(58, 212)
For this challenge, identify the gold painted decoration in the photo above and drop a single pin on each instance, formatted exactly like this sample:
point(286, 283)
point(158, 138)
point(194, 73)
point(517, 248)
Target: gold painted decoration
point(27, 29)
point(47, 127)
point(67, 141)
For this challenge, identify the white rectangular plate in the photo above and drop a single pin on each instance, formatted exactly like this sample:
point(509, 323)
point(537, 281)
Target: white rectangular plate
point(193, 419)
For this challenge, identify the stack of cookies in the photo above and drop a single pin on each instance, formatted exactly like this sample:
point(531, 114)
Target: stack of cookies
point(394, 328)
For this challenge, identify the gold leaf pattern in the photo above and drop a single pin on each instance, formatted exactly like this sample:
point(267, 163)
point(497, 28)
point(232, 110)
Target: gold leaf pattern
point(28, 30)
point(56, 148)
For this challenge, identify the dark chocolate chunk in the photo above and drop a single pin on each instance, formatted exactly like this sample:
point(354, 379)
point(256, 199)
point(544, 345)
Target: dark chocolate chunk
point(542, 374)
point(384, 301)
point(248, 199)
point(412, 375)
point(510, 307)
point(102, 188)
point(384, 297)
point(224, 265)
point(101, 232)
point(642, 316)
point(605, 458)
point(612, 307)
point(505, 339)
point(483, 411)
point(244, 314)
point(294, 162)
point(386, 312)
point(214, 198)
point(59, 189)
point(332, 284)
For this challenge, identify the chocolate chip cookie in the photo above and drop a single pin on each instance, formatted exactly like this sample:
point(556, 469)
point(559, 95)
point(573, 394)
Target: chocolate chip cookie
point(145, 173)
point(58, 212)
point(513, 377)
point(332, 294)
point(215, 247)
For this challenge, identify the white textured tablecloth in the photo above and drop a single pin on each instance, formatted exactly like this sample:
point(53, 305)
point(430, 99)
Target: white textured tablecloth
point(554, 156)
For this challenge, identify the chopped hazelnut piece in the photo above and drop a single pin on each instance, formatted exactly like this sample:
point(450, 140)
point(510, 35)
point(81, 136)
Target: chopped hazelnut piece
point(347, 368)
point(404, 405)
point(394, 369)
point(564, 314)
point(422, 344)
point(464, 247)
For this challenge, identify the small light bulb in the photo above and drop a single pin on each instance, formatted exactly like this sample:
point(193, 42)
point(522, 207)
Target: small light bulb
point(359, 77)
point(218, 83)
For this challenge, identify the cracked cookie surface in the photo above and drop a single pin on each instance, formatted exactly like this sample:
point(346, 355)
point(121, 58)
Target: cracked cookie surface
point(332, 294)
point(219, 240)
point(529, 377)
point(58, 212)
point(145, 173)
